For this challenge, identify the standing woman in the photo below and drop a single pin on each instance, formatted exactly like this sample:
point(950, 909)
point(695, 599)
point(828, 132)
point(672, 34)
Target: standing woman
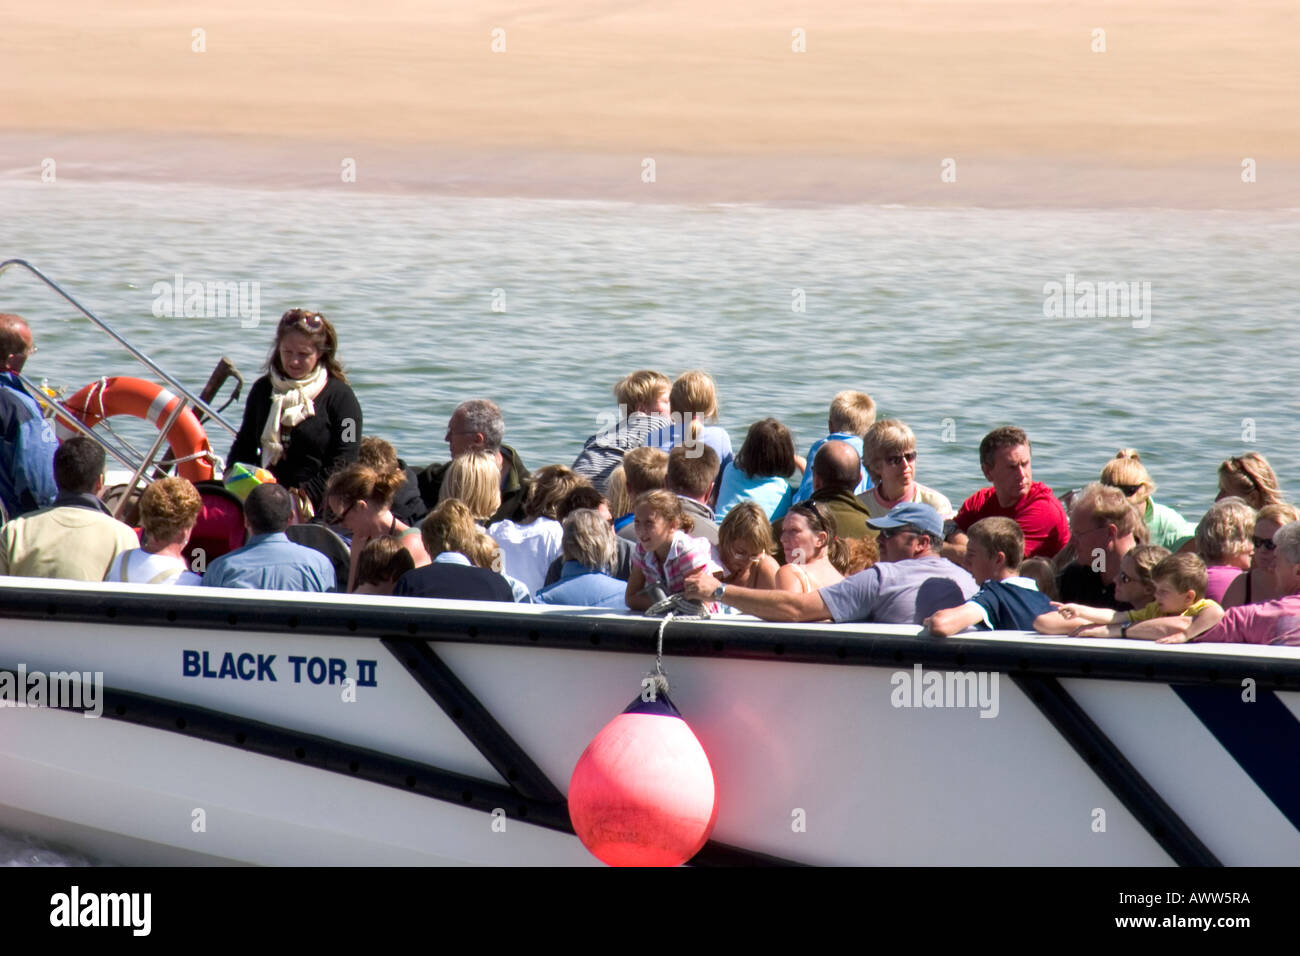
point(302, 422)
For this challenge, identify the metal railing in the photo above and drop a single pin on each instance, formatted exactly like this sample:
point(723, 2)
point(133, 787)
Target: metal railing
point(121, 449)
point(153, 366)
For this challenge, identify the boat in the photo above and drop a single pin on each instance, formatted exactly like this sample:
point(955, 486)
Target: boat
point(285, 729)
point(213, 726)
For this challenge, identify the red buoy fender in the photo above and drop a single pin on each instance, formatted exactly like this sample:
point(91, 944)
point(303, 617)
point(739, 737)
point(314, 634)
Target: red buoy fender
point(149, 401)
point(642, 793)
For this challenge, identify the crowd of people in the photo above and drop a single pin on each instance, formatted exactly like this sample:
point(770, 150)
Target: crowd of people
point(658, 512)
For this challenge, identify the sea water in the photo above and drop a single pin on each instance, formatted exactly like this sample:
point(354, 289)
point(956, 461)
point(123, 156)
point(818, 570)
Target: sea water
point(952, 319)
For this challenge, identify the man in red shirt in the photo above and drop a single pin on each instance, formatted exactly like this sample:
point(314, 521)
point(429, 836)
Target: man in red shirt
point(1005, 460)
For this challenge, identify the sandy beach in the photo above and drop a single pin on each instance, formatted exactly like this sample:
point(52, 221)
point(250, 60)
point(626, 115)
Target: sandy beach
point(577, 95)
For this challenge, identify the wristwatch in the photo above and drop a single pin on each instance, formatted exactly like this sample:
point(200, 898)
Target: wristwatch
point(1123, 629)
point(718, 592)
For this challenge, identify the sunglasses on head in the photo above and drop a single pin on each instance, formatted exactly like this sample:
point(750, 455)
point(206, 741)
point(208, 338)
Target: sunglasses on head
point(1129, 490)
point(1264, 543)
point(307, 321)
point(896, 460)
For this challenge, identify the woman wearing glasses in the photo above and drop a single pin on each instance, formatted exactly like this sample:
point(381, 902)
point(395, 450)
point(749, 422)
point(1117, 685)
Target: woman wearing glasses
point(362, 500)
point(1166, 527)
point(302, 421)
point(1258, 583)
point(889, 455)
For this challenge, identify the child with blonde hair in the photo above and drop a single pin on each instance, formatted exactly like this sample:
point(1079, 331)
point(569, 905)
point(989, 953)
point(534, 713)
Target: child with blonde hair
point(693, 410)
point(642, 412)
point(745, 545)
point(851, 415)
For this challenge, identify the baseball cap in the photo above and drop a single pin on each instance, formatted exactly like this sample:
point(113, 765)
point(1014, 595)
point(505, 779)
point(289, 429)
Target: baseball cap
point(915, 513)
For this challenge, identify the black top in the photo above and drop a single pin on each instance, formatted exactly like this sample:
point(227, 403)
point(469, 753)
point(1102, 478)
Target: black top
point(315, 449)
point(1082, 585)
point(407, 503)
point(455, 581)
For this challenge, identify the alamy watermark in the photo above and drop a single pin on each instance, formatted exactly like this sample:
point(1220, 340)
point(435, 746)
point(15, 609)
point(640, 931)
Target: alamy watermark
point(69, 690)
point(208, 300)
point(1073, 299)
point(921, 688)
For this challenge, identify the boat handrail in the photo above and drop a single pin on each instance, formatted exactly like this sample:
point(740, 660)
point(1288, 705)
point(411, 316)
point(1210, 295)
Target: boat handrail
point(194, 399)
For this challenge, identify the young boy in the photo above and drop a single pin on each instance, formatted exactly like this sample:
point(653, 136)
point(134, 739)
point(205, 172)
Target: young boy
point(1180, 581)
point(642, 409)
point(1005, 601)
point(852, 414)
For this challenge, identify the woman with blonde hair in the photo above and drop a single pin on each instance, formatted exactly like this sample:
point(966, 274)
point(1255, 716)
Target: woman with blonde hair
point(1166, 528)
point(693, 408)
point(1258, 584)
point(620, 502)
point(474, 477)
point(1251, 478)
point(889, 455)
point(362, 500)
point(1224, 543)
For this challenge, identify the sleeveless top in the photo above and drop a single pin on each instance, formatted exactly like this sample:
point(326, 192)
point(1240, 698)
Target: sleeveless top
point(804, 580)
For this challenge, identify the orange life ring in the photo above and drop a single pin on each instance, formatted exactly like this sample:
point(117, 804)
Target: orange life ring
point(153, 403)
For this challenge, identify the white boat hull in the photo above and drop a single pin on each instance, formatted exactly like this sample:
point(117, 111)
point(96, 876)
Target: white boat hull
point(815, 761)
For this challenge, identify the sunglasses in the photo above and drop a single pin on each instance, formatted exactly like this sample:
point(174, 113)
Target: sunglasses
point(348, 510)
point(887, 533)
point(1129, 490)
point(896, 460)
point(1264, 543)
point(307, 321)
point(810, 509)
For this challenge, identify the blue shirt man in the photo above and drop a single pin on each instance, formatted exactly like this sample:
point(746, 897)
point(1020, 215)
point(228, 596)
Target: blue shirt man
point(27, 442)
point(269, 560)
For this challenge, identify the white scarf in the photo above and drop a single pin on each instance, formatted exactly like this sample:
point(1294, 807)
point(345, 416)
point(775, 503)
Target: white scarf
point(291, 404)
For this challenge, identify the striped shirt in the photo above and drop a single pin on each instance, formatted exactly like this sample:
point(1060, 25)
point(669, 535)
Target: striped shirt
point(686, 555)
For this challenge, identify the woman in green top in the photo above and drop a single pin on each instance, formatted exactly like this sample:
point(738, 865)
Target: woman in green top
point(1167, 527)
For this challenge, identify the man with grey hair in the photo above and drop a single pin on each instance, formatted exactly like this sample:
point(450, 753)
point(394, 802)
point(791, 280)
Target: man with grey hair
point(1268, 622)
point(473, 425)
point(589, 548)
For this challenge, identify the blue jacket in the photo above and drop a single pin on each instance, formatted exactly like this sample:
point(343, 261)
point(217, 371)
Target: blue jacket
point(27, 446)
point(585, 587)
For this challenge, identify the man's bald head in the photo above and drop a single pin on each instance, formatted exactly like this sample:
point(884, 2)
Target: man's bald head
point(836, 467)
point(15, 341)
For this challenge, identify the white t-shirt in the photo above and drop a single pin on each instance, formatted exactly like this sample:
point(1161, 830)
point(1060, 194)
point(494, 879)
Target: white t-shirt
point(528, 549)
point(145, 568)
